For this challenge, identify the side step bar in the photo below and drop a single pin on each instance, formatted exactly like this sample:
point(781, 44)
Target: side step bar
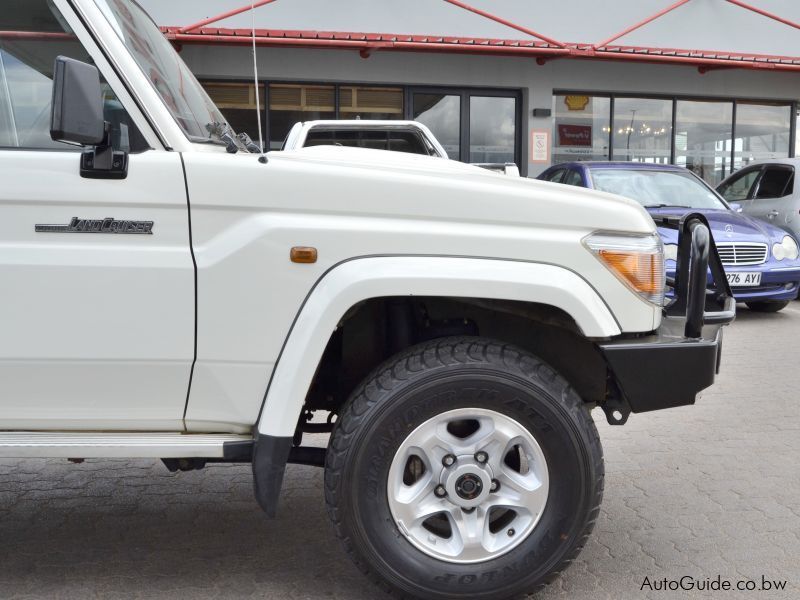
point(76, 444)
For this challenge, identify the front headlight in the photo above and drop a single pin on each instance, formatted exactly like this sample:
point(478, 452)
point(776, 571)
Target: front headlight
point(786, 249)
point(636, 260)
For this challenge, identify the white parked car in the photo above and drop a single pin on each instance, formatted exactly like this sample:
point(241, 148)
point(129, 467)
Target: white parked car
point(398, 136)
point(169, 294)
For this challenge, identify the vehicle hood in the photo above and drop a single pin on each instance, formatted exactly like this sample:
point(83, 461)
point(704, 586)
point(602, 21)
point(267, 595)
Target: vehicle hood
point(438, 188)
point(726, 226)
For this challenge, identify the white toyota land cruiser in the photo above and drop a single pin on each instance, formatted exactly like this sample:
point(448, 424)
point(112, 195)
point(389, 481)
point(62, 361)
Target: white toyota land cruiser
point(167, 293)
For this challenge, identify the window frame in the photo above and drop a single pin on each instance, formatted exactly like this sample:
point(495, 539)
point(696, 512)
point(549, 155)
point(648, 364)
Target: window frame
point(757, 183)
point(744, 172)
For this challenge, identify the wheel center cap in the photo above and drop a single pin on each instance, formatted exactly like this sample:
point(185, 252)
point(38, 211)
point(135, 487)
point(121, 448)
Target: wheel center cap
point(469, 486)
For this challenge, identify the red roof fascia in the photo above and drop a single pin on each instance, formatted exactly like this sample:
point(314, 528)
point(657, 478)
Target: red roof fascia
point(423, 43)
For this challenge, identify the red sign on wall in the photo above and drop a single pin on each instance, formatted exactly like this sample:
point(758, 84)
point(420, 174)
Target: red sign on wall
point(574, 135)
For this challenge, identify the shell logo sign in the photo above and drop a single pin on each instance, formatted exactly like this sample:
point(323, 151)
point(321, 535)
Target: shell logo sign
point(576, 102)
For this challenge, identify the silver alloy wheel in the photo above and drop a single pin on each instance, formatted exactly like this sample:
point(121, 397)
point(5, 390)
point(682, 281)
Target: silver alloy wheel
point(477, 507)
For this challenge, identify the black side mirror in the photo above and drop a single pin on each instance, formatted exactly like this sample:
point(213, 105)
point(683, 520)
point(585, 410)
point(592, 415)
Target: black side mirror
point(77, 111)
point(77, 116)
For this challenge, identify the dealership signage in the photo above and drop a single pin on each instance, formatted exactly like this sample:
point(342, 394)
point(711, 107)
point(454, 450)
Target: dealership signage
point(574, 135)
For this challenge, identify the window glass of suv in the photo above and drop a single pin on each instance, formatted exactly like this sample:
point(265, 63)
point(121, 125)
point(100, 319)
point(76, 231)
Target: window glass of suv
point(376, 139)
point(738, 187)
point(32, 34)
point(183, 96)
point(776, 182)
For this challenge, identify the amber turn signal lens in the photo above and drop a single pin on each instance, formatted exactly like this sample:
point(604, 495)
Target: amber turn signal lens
point(636, 260)
point(643, 272)
point(303, 254)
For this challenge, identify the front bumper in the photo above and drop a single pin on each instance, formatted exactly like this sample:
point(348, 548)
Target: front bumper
point(671, 365)
point(664, 369)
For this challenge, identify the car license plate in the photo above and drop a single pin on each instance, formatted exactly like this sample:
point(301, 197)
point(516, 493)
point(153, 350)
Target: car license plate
point(743, 279)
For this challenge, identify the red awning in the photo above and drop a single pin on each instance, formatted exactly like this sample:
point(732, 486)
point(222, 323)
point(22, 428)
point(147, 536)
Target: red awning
point(367, 43)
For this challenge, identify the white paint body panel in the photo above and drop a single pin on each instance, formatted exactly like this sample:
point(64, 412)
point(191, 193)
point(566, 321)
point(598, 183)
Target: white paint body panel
point(97, 328)
point(351, 203)
point(358, 280)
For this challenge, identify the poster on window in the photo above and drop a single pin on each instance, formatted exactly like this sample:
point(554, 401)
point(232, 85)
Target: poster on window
point(574, 135)
point(540, 146)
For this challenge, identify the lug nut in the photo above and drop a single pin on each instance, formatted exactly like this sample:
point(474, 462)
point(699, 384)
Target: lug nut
point(440, 492)
point(495, 485)
point(449, 460)
point(511, 532)
point(481, 457)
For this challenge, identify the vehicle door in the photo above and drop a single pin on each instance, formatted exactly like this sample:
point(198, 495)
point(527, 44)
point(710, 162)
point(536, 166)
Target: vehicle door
point(739, 187)
point(772, 196)
point(97, 303)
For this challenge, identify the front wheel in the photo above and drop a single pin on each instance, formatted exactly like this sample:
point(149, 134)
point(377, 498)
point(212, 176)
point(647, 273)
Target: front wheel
point(464, 468)
point(767, 307)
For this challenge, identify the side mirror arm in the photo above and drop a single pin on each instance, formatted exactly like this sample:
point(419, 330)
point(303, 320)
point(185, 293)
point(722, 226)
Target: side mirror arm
point(102, 161)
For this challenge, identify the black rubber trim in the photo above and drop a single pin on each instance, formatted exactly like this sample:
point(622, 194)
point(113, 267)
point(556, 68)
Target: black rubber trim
point(665, 369)
point(270, 455)
point(238, 451)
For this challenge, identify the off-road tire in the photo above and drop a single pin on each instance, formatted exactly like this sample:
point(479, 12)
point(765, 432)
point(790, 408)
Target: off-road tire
point(430, 379)
point(767, 307)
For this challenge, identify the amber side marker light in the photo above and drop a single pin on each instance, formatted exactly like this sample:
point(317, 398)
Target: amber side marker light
point(303, 254)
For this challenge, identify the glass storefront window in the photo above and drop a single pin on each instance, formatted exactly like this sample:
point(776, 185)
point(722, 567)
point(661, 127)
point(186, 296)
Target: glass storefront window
point(441, 113)
point(703, 138)
point(762, 132)
point(642, 129)
point(237, 102)
point(582, 127)
point(290, 103)
point(492, 129)
point(370, 103)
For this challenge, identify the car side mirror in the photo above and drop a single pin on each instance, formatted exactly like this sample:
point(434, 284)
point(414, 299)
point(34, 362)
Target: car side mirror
point(735, 207)
point(77, 111)
point(77, 116)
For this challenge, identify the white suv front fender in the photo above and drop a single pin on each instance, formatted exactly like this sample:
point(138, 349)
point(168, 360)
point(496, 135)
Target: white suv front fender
point(361, 279)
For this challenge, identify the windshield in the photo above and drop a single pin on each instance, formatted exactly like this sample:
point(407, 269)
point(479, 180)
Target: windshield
point(186, 99)
point(656, 189)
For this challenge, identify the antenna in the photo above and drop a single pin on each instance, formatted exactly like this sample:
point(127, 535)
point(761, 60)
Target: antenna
point(263, 157)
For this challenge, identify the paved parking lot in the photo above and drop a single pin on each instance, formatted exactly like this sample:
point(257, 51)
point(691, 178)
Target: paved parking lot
point(701, 491)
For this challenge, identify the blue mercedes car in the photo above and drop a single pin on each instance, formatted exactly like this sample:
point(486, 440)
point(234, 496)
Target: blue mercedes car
point(761, 261)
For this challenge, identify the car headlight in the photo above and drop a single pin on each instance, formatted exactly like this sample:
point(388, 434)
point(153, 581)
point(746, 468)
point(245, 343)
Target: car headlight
point(786, 249)
point(636, 260)
point(671, 252)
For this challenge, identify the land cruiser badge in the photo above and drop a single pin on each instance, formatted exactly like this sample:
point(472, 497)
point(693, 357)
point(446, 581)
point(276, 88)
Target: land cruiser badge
point(107, 225)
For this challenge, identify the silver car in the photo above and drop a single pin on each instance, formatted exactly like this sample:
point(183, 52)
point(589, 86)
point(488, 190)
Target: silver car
point(767, 191)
